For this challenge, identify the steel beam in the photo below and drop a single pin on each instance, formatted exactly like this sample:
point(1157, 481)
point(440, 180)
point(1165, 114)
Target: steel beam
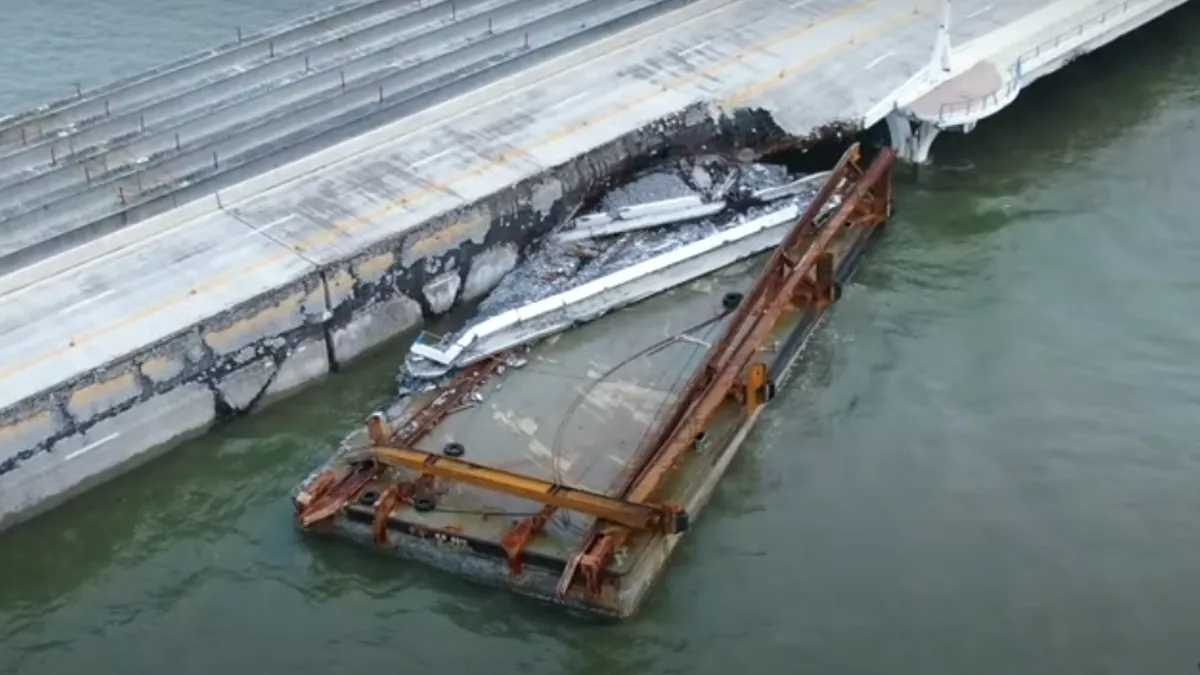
point(636, 516)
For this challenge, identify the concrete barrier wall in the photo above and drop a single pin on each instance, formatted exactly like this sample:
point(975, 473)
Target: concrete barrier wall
point(112, 132)
point(129, 198)
point(66, 439)
point(62, 441)
point(185, 73)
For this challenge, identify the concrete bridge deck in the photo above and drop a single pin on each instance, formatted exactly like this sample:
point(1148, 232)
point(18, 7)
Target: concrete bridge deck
point(988, 73)
point(145, 334)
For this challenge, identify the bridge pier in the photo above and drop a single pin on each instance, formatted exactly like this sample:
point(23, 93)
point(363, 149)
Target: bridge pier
point(912, 140)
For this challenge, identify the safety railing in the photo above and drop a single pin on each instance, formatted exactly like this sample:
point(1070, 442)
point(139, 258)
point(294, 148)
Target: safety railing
point(978, 106)
point(1077, 31)
point(1003, 95)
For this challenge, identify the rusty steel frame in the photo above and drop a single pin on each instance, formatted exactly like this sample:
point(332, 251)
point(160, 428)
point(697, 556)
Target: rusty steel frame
point(329, 494)
point(801, 266)
point(634, 515)
point(641, 516)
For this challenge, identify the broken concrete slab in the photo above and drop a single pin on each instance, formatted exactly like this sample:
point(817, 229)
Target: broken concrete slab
point(239, 390)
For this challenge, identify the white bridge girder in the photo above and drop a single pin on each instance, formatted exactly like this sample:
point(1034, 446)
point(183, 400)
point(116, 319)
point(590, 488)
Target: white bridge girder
point(913, 139)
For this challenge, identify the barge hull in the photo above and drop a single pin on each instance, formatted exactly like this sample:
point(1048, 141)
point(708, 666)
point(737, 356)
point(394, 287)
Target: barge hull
point(548, 573)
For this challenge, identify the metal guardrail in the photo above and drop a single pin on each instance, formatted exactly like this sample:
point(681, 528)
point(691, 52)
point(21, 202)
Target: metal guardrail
point(992, 100)
point(1005, 93)
point(1078, 30)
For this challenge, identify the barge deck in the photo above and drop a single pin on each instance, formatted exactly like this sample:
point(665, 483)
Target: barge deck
point(568, 470)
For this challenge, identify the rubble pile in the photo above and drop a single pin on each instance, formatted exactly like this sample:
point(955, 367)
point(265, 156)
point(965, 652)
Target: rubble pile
point(556, 266)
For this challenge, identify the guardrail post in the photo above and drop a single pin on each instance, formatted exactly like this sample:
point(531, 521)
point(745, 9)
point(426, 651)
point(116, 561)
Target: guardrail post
point(216, 162)
point(271, 48)
point(239, 32)
point(453, 11)
point(343, 75)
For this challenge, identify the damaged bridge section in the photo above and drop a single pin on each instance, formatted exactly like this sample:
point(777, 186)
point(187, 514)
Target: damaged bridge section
point(169, 294)
point(59, 441)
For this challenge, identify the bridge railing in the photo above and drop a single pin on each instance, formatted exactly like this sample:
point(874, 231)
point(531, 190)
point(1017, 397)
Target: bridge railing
point(978, 106)
point(1005, 93)
point(1050, 44)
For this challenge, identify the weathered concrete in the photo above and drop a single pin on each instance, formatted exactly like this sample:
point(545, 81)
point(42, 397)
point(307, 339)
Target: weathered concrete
point(70, 464)
point(307, 361)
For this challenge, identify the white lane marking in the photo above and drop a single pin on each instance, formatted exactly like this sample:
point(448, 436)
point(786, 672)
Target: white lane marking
point(879, 60)
point(437, 155)
point(93, 446)
point(979, 11)
point(86, 301)
point(693, 48)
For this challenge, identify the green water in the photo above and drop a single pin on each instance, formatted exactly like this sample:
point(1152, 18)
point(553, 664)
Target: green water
point(990, 463)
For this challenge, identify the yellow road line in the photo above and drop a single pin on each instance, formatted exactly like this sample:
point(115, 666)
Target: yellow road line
point(353, 223)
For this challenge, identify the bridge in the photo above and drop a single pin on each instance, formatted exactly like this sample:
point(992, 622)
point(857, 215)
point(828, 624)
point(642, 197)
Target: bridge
point(195, 240)
point(963, 86)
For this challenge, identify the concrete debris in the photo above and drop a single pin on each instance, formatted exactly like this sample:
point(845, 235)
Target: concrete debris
point(239, 390)
point(558, 266)
point(655, 214)
point(759, 176)
point(651, 187)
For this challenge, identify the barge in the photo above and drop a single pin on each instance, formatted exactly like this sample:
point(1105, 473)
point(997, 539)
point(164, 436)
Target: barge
point(565, 469)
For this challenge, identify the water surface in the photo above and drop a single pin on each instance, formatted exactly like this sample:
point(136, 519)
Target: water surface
point(988, 465)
